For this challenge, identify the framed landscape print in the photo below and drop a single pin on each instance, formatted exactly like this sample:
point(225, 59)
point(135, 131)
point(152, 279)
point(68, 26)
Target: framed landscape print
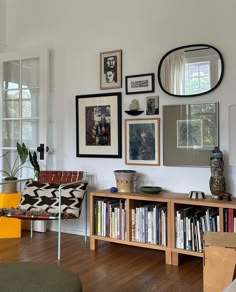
point(190, 133)
point(140, 83)
point(111, 69)
point(142, 141)
point(98, 125)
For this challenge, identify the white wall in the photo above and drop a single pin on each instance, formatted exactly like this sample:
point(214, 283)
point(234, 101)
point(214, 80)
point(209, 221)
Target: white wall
point(76, 31)
point(2, 26)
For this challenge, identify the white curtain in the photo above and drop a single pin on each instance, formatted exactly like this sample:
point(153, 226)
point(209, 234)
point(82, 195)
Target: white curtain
point(172, 73)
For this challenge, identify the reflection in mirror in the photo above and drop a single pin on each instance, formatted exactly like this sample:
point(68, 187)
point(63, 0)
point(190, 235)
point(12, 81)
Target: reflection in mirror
point(190, 70)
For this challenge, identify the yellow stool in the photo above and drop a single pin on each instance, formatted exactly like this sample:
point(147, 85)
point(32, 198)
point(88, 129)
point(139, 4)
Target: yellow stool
point(10, 227)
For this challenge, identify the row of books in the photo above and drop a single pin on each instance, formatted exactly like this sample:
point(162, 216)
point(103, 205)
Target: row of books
point(110, 218)
point(229, 220)
point(149, 224)
point(191, 223)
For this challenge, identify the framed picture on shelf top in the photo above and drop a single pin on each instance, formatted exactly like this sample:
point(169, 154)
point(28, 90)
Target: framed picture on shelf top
point(98, 125)
point(142, 141)
point(111, 69)
point(143, 83)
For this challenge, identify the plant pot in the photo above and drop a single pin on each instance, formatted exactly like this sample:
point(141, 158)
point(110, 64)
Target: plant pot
point(125, 180)
point(11, 186)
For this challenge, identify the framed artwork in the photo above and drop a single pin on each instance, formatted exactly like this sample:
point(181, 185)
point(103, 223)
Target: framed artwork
point(98, 125)
point(140, 83)
point(190, 133)
point(111, 69)
point(152, 105)
point(142, 141)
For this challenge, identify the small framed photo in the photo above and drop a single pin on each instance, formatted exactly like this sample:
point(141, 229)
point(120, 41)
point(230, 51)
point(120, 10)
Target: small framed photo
point(152, 105)
point(143, 83)
point(142, 141)
point(99, 125)
point(111, 69)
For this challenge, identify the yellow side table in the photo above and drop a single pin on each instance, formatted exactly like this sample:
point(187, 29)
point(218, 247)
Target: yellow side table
point(10, 227)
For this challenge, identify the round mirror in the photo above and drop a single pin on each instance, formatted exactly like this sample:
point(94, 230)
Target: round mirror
point(190, 70)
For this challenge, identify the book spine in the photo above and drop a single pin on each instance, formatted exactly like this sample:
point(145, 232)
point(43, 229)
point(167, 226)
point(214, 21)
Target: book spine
point(230, 220)
point(150, 227)
point(177, 231)
point(99, 219)
point(225, 220)
point(154, 225)
point(133, 225)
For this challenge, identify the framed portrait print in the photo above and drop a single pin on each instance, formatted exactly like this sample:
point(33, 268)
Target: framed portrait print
point(111, 69)
point(152, 105)
point(190, 133)
point(140, 83)
point(142, 141)
point(98, 125)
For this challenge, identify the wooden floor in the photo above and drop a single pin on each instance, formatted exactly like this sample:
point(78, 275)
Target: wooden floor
point(112, 267)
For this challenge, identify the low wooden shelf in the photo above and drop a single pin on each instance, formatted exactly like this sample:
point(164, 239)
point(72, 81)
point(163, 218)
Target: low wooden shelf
point(172, 201)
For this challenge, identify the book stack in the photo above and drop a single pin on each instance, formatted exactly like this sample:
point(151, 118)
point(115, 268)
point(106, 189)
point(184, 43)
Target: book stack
point(149, 224)
point(191, 223)
point(110, 218)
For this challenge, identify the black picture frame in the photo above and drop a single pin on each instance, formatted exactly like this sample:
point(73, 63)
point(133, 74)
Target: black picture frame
point(99, 125)
point(142, 83)
point(111, 70)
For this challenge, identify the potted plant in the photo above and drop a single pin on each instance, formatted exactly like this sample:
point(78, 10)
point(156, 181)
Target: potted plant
point(11, 171)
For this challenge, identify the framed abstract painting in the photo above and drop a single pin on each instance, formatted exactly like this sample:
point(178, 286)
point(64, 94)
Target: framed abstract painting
point(98, 125)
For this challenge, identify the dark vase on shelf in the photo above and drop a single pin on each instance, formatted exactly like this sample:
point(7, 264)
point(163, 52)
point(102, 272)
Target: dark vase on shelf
point(217, 180)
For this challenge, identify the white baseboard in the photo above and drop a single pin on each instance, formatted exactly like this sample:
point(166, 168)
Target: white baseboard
point(77, 231)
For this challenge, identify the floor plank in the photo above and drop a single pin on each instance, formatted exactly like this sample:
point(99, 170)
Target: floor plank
point(112, 267)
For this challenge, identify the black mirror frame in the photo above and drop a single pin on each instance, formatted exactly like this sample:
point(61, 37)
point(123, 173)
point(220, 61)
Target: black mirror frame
point(183, 47)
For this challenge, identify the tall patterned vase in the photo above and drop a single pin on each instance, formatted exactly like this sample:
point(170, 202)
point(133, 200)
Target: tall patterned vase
point(217, 180)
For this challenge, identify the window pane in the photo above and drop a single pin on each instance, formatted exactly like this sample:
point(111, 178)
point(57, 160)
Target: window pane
point(10, 157)
point(11, 133)
point(30, 133)
point(30, 73)
point(11, 75)
point(11, 104)
point(30, 103)
point(197, 77)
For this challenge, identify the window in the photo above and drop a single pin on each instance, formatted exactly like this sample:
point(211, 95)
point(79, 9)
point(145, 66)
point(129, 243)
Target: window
point(197, 77)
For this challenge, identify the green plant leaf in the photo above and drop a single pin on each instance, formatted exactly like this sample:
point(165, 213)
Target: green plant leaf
point(34, 161)
point(23, 152)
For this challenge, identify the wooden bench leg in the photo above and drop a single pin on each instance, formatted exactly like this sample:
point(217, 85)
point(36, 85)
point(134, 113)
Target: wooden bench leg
point(175, 258)
point(168, 257)
point(93, 243)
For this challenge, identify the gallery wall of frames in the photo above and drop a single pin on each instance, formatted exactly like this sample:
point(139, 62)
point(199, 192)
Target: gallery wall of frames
point(190, 130)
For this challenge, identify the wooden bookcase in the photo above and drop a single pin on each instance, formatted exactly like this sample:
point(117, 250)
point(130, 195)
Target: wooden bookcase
point(173, 202)
point(182, 199)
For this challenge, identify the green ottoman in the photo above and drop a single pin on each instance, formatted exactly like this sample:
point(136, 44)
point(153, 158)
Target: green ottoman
point(37, 277)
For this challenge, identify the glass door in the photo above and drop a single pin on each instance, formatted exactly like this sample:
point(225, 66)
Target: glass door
point(24, 90)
